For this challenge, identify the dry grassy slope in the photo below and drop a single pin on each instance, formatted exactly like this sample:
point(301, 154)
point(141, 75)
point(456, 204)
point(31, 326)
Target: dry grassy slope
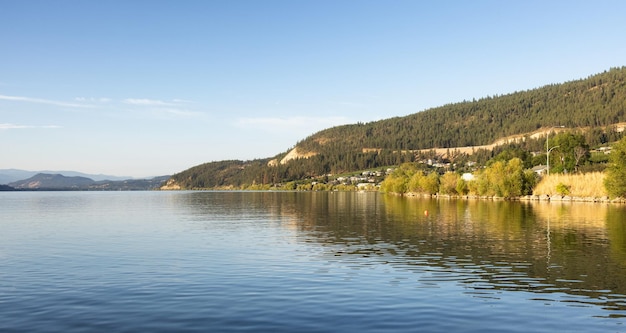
point(510, 139)
point(294, 154)
point(540, 133)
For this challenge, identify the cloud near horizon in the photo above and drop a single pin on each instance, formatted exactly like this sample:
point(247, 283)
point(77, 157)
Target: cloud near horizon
point(8, 126)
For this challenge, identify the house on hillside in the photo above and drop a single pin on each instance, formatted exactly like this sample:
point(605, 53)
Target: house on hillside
point(540, 169)
point(468, 177)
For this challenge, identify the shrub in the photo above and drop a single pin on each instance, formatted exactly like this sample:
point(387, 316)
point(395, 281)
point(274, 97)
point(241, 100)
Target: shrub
point(461, 187)
point(448, 183)
point(503, 179)
point(562, 189)
point(430, 183)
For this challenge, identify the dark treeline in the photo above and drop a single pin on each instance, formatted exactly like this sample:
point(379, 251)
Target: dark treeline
point(591, 106)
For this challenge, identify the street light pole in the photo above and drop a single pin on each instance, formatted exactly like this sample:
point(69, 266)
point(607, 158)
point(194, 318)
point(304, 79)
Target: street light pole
point(548, 149)
point(548, 159)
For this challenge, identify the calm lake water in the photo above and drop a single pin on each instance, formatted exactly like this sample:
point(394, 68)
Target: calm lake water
point(307, 262)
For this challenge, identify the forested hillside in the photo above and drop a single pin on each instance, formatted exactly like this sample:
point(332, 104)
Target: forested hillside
point(593, 104)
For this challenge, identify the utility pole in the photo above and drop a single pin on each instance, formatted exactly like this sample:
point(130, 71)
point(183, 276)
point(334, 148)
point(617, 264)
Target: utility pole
point(548, 149)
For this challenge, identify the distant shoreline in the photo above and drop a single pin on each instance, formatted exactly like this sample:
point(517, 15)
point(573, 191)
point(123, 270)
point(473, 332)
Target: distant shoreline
point(526, 198)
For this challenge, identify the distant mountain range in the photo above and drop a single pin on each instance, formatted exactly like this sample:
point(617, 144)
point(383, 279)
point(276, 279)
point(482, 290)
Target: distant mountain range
point(12, 175)
point(59, 182)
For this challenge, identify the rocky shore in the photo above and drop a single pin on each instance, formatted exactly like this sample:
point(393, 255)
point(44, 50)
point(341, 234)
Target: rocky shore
point(544, 198)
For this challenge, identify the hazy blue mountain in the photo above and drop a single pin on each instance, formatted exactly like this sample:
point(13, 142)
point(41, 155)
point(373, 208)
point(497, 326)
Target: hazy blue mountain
point(58, 182)
point(52, 181)
point(13, 175)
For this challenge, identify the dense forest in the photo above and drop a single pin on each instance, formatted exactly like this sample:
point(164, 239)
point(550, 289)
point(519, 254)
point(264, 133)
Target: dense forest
point(589, 106)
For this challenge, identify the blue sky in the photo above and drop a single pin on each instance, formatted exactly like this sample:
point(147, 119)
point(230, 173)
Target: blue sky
point(146, 88)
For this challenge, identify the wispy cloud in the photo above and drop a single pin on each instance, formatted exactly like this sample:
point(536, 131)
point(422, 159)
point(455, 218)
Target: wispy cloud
point(93, 99)
point(147, 102)
point(8, 126)
point(155, 107)
point(161, 108)
point(44, 101)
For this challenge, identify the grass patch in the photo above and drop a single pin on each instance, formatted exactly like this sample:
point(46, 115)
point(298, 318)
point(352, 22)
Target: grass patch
point(578, 185)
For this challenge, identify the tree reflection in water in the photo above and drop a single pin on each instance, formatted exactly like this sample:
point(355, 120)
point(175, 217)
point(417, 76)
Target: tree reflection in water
point(563, 252)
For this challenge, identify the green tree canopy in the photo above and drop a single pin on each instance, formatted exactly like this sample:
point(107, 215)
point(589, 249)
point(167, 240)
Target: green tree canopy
point(615, 180)
point(572, 152)
point(504, 179)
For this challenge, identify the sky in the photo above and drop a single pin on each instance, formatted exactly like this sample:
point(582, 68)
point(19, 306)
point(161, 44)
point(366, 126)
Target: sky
point(148, 88)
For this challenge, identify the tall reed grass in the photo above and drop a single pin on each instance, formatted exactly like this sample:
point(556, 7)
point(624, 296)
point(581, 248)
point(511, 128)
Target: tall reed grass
point(578, 185)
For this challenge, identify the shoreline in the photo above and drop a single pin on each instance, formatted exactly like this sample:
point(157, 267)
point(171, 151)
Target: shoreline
point(528, 198)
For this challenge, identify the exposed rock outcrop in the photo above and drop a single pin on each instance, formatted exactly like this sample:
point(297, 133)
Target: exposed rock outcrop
point(171, 185)
point(292, 155)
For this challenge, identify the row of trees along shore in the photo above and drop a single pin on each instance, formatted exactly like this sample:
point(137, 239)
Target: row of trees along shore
point(501, 179)
point(508, 174)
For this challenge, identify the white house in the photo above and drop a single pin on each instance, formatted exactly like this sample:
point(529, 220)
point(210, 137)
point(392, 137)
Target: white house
point(468, 177)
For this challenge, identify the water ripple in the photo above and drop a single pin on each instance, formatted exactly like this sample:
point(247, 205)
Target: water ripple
point(306, 262)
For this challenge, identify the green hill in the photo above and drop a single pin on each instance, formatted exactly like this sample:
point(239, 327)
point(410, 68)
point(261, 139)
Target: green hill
point(594, 104)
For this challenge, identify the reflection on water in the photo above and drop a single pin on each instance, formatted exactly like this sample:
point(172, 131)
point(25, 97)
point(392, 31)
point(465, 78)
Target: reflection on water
point(307, 262)
point(562, 252)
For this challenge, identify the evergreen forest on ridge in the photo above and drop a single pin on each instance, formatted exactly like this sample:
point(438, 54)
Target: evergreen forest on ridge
point(590, 107)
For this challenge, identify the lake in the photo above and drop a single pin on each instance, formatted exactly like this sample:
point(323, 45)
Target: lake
point(307, 262)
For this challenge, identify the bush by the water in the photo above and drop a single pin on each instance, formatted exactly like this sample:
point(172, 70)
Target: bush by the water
point(501, 178)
